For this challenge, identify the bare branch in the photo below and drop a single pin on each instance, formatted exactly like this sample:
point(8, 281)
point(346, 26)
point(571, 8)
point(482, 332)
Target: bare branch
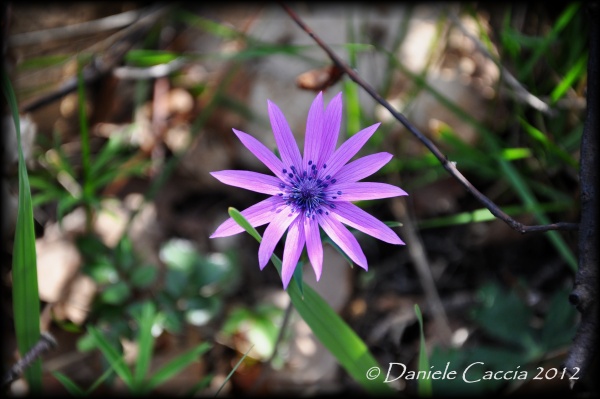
point(449, 166)
point(583, 356)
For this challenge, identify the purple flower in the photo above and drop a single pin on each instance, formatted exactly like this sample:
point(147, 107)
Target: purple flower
point(311, 191)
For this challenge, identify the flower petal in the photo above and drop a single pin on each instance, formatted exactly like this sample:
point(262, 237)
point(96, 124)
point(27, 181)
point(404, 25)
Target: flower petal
point(348, 150)
point(294, 244)
point(314, 246)
point(331, 128)
point(344, 239)
point(363, 191)
point(284, 137)
point(354, 216)
point(362, 167)
point(258, 214)
point(314, 131)
point(273, 234)
point(252, 181)
point(261, 152)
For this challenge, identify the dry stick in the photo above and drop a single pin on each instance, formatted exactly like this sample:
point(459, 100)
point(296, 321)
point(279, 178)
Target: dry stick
point(75, 30)
point(266, 370)
point(449, 166)
point(505, 74)
point(44, 344)
point(417, 253)
point(102, 66)
point(582, 360)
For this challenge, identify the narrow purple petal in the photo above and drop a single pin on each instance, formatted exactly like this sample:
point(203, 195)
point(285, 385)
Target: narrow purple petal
point(252, 181)
point(363, 191)
point(273, 234)
point(314, 246)
point(257, 215)
point(348, 149)
point(261, 152)
point(284, 137)
point(294, 244)
point(362, 167)
point(344, 239)
point(314, 131)
point(353, 216)
point(331, 128)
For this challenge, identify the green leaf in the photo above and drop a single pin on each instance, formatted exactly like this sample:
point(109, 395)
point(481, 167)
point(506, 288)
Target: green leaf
point(424, 384)
point(26, 302)
point(146, 58)
point(69, 384)
point(176, 365)
point(115, 359)
point(116, 294)
point(343, 343)
point(577, 71)
point(144, 276)
point(540, 137)
point(560, 322)
point(504, 316)
point(233, 371)
point(145, 344)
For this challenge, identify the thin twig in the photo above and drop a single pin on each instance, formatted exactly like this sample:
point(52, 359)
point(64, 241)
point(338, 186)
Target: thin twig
point(264, 373)
point(75, 30)
point(449, 166)
point(44, 344)
point(103, 65)
point(416, 251)
point(522, 93)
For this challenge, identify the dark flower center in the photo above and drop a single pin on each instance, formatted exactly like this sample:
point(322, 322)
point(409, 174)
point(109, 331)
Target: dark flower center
point(306, 192)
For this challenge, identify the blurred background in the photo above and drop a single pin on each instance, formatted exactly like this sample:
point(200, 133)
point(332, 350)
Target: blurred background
point(124, 203)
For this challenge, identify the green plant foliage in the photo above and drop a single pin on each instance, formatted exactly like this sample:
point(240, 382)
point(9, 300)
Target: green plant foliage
point(504, 316)
point(343, 343)
point(137, 379)
point(259, 325)
point(26, 301)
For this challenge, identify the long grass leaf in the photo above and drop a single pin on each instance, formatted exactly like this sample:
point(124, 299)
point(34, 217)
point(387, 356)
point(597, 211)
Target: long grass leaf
point(509, 172)
point(424, 387)
point(145, 344)
point(176, 365)
point(26, 301)
point(233, 370)
point(69, 384)
point(333, 332)
point(115, 359)
point(548, 39)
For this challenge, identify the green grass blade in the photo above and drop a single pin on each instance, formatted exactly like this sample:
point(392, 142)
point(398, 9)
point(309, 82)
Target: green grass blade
point(333, 332)
point(176, 365)
point(424, 384)
point(542, 48)
point(115, 359)
point(509, 172)
point(26, 301)
point(69, 385)
point(200, 385)
point(350, 90)
point(145, 344)
point(233, 370)
point(540, 137)
point(484, 215)
point(572, 75)
point(99, 381)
